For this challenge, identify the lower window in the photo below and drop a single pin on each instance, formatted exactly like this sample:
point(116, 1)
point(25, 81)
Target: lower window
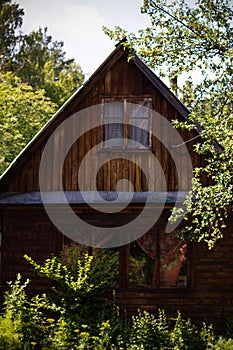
point(158, 259)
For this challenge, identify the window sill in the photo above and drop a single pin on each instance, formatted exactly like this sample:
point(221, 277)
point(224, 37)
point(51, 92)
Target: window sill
point(124, 150)
point(148, 288)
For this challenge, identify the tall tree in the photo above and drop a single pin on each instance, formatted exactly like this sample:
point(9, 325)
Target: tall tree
point(35, 57)
point(42, 63)
point(188, 39)
point(11, 19)
point(23, 111)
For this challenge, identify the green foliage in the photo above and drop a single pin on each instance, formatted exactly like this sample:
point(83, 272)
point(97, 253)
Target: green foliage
point(35, 57)
point(23, 111)
point(223, 344)
point(15, 298)
point(10, 336)
point(184, 39)
point(35, 78)
point(185, 335)
point(107, 257)
point(47, 322)
point(11, 19)
point(229, 327)
point(25, 319)
point(77, 291)
point(147, 332)
point(42, 63)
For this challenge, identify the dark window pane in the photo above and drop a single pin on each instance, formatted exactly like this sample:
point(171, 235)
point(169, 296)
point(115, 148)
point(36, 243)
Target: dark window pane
point(158, 260)
point(143, 267)
point(139, 137)
point(107, 261)
point(139, 109)
point(131, 119)
point(114, 134)
point(114, 111)
point(173, 260)
point(114, 124)
point(139, 121)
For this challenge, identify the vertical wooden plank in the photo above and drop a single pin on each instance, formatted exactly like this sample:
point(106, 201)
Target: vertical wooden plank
point(125, 73)
point(146, 175)
point(171, 168)
point(35, 184)
point(125, 175)
point(62, 156)
point(135, 78)
point(103, 177)
point(119, 168)
point(107, 82)
point(156, 144)
point(88, 159)
point(74, 158)
point(81, 153)
point(175, 173)
point(164, 138)
point(99, 174)
point(114, 79)
point(101, 88)
point(131, 173)
point(68, 169)
point(120, 78)
point(55, 159)
point(108, 184)
point(29, 175)
point(138, 82)
point(49, 171)
point(113, 174)
point(138, 177)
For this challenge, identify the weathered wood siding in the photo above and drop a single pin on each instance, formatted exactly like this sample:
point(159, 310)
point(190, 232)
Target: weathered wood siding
point(118, 78)
point(209, 296)
point(27, 231)
point(209, 293)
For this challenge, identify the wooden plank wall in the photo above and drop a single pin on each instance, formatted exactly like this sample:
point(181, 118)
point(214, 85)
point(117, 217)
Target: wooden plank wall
point(27, 231)
point(208, 297)
point(119, 79)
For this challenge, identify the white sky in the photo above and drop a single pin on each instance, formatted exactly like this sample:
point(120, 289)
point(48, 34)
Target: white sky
point(78, 24)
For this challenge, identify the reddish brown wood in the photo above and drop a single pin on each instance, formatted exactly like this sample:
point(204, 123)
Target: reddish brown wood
point(27, 228)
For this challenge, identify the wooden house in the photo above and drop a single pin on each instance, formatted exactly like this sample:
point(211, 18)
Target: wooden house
point(154, 270)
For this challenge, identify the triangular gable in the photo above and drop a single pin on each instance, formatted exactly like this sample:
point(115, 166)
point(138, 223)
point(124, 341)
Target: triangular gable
point(81, 93)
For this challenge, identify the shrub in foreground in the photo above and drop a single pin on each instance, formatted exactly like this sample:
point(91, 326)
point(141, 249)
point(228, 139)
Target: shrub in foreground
point(74, 315)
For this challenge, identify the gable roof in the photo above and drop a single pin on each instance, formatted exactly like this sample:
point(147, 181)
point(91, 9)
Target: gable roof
point(86, 87)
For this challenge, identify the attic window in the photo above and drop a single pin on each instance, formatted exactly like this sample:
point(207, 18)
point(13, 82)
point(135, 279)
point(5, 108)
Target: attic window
point(126, 122)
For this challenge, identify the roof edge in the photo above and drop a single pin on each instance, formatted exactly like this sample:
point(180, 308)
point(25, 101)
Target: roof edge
point(89, 197)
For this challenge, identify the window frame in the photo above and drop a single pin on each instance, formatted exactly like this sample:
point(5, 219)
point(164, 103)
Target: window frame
point(126, 118)
point(124, 270)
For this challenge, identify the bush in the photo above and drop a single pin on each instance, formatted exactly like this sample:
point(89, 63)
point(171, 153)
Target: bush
point(223, 344)
point(147, 332)
point(229, 327)
point(77, 293)
point(151, 333)
point(186, 336)
point(10, 332)
point(74, 315)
